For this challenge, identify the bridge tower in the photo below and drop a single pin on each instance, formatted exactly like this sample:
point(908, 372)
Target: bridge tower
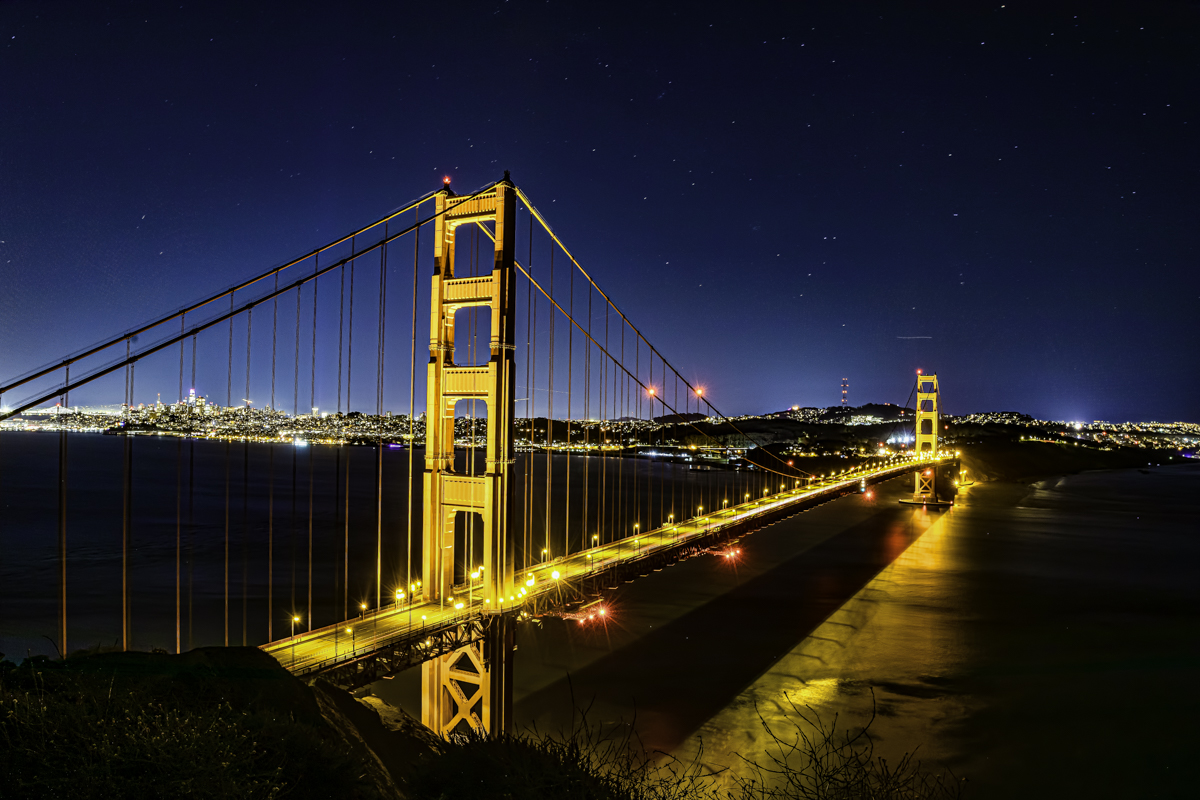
point(925, 483)
point(472, 685)
point(927, 415)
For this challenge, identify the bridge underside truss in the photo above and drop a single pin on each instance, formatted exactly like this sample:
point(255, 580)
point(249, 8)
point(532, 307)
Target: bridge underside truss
point(417, 648)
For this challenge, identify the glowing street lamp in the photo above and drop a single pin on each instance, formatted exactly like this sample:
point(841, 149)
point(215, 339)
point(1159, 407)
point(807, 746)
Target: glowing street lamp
point(294, 621)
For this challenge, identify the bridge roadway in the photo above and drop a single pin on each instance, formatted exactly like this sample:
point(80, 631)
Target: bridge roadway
point(421, 622)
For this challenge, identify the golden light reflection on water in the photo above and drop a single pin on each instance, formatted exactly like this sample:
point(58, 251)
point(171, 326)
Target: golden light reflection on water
point(891, 639)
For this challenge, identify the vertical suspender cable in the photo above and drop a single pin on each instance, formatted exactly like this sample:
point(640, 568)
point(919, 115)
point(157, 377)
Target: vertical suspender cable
point(226, 410)
point(191, 543)
point(179, 507)
point(246, 483)
point(62, 525)
point(527, 510)
point(129, 503)
point(337, 513)
point(337, 510)
point(412, 424)
point(549, 410)
point(178, 541)
point(269, 421)
point(379, 424)
point(621, 396)
point(603, 437)
point(587, 430)
point(530, 546)
point(663, 470)
point(126, 498)
point(312, 404)
point(570, 410)
point(295, 433)
point(349, 377)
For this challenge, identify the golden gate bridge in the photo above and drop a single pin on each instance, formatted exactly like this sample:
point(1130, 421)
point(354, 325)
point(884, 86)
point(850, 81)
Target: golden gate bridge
point(506, 533)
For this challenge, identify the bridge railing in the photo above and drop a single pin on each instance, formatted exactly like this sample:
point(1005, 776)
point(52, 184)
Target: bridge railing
point(604, 558)
point(434, 622)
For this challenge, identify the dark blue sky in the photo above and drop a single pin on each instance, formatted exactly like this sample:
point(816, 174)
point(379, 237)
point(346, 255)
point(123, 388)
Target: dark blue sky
point(776, 199)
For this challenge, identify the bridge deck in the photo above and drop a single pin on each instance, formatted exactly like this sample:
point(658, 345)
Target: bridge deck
point(363, 635)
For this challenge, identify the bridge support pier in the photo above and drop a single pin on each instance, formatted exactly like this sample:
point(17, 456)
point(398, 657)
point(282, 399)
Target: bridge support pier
point(472, 688)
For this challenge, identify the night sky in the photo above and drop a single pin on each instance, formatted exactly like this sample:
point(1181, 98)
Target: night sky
point(1006, 194)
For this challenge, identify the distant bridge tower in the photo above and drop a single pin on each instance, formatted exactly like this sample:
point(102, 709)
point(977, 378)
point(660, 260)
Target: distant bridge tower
point(927, 415)
point(472, 685)
point(925, 483)
point(845, 388)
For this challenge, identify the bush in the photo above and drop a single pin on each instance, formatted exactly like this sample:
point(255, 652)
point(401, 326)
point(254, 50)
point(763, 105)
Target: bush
point(84, 733)
point(810, 760)
point(807, 761)
point(583, 764)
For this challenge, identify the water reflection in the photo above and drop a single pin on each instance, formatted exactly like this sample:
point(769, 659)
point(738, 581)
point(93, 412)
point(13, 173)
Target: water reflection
point(1012, 641)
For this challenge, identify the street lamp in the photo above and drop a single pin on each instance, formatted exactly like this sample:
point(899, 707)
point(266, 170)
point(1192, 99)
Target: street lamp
point(353, 637)
point(294, 621)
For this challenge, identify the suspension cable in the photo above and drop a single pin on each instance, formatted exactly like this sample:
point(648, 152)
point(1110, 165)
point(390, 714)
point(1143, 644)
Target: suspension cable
point(172, 340)
point(537, 214)
point(230, 292)
point(616, 361)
